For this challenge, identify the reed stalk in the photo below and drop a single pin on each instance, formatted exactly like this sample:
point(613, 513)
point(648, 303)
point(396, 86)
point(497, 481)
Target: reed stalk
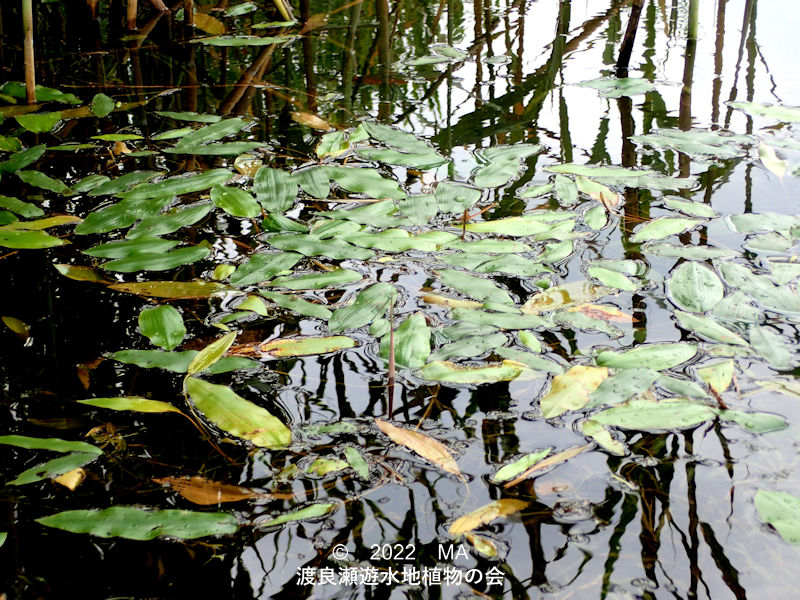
point(30, 64)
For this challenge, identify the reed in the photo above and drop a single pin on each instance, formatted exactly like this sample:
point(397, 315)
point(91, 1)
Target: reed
point(30, 64)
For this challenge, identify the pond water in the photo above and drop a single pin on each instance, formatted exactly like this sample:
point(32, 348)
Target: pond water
point(454, 222)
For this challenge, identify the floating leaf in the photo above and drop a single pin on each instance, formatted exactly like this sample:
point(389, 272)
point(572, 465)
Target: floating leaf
point(696, 143)
point(502, 164)
point(622, 386)
point(235, 201)
point(646, 415)
point(172, 289)
point(452, 373)
point(782, 511)
point(311, 245)
point(694, 287)
point(129, 248)
point(205, 492)
point(571, 390)
point(18, 326)
point(529, 359)
point(357, 462)
point(211, 353)
point(412, 342)
point(133, 403)
point(142, 524)
point(261, 267)
point(754, 422)
point(316, 281)
point(178, 362)
point(663, 227)
point(555, 459)
point(163, 326)
point(603, 437)
point(39, 122)
point(785, 114)
point(405, 148)
point(399, 240)
point(681, 387)
point(28, 240)
point(176, 186)
point(297, 346)
point(297, 304)
point(101, 105)
point(237, 41)
point(312, 511)
point(237, 416)
point(486, 514)
point(366, 181)
point(54, 468)
point(454, 198)
point(771, 161)
point(24, 209)
point(505, 320)
point(565, 296)
point(54, 444)
point(566, 190)
point(428, 448)
point(772, 347)
point(653, 356)
point(688, 252)
point(718, 376)
point(41, 180)
point(475, 287)
point(153, 261)
point(707, 327)
point(370, 303)
point(470, 347)
point(613, 279)
point(188, 116)
point(71, 479)
point(513, 469)
point(536, 224)
point(613, 87)
point(694, 209)
point(781, 299)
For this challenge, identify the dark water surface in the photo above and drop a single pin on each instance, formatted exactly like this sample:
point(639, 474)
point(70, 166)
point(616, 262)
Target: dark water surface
point(673, 516)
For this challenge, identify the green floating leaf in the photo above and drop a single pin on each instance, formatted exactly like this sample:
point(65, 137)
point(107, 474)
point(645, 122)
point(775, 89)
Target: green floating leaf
point(646, 415)
point(622, 386)
point(211, 353)
point(41, 180)
point(317, 281)
point(754, 422)
point(782, 511)
point(696, 143)
point(237, 416)
point(499, 320)
point(718, 376)
point(323, 466)
point(163, 326)
point(370, 303)
point(490, 245)
point(454, 198)
point(688, 252)
point(262, 267)
point(28, 240)
point(662, 228)
point(452, 373)
point(133, 403)
point(511, 470)
point(566, 190)
point(565, 296)
point(54, 444)
point(131, 248)
point(781, 299)
point(154, 261)
point(235, 202)
point(613, 279)
point(412, 342)
point(475, 287)
point(695, 287)
point(20, 160)
point(502, 164)
point(771, 346)
point(39, 122)
point(118, 137)
point(183, 216)
point(178, 362)
point(122, 183)
point(399, 240)
point(405, 148)
point(613, 87)
point(17, 89)
point(214, 149)
point(311, 245)
point(707, 327)
point(693, 209)
point(231, 41)
point(511, 264)
point(212, 133)
point(681, 387)
point(376, 214)
point(313, 511)
point(653, 356)
point(539, 225)
point(53, 468)
point(298, 305)
point(470, 347)
point(102, 105)
point(357, 462)
point(602, 435)
point(142, 524)
point(189, 116)
point(529, 359)
point(571, 391)
point(785, 114)
point(366, 181)
point(172, 134)
point(24, 209)
point(176, 186)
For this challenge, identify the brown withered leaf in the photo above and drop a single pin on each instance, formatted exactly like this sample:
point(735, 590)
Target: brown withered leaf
point(209, 24)
point(486, 514)
point(557, 458)
point(85, 371)
point(427, 447)
point(205, 492)
point(311, 120)
point(71, 479)
point(603, 312)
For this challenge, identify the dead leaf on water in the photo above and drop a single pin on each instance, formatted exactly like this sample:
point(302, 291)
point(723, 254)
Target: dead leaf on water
point(172, 289)
point(17, 326)
point(427, 447)
point(486, 514)
point(311, 120)
point(206, 492)
point(547, 462)
point(71, 479)
point(208, 24)
point(602, 312)
point(450, 302)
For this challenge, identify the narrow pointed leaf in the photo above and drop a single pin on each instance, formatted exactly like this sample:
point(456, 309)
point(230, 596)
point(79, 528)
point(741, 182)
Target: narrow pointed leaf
point(428, 448)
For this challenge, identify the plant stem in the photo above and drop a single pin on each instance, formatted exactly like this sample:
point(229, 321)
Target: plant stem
point(30, 65)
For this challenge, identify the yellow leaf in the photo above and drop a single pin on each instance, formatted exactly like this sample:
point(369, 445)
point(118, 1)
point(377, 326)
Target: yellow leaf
point(428, 448)
point(602, 312)
point(571, 390)
point(311, 120)
point(718, 376)
point(71, 479)
point(450, 302)
point(17, 326)
point(548, 462)
point(483, 545)
point(208, 24)
point(486, 514)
